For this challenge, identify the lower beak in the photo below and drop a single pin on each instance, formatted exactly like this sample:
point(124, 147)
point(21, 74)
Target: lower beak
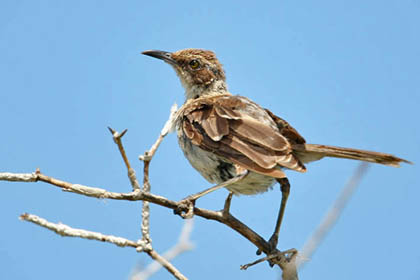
point(165, 56)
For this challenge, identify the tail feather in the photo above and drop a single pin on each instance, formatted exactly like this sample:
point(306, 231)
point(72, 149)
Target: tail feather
point(311, 152)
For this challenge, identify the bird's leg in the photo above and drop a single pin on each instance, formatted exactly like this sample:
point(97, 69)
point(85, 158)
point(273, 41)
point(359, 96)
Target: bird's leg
point(285, 189)
point(233, 180)
point(189, 201)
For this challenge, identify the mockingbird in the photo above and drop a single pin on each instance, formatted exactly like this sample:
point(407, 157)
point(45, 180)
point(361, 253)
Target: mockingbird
point(234, 142)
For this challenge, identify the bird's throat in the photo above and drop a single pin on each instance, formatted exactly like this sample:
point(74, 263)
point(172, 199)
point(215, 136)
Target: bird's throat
point(193, 91)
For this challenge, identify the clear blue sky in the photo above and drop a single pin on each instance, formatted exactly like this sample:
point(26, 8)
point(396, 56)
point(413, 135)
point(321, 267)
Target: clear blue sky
point(341, 72)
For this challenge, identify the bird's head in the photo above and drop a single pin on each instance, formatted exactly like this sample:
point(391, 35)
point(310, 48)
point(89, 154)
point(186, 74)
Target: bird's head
point(199, 71)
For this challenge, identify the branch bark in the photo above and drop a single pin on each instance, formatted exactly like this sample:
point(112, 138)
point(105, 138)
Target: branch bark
point(219, 216)
point(65, 230)
point(184, 244)
point(288, 265)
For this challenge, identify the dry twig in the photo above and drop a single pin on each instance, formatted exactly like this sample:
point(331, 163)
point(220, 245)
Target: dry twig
point(184, 244)
point(131, 173)
point(220, 216)
point(140, 246)
point(145, 222)
point(146, 158)
point(65, 230)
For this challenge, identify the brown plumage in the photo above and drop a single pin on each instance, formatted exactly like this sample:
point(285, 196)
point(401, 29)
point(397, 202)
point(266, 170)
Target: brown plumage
point(219, 125)
point(221, 133)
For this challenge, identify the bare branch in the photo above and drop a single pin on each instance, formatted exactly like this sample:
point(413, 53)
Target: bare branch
point(286, 260)
point(260, 260)
point(131, 173)
point(220, 216)
point(146, 158)
point(145, 210)
point(332, 215)
point(226, 207)
point(166, 264)
point(184, 244)
point(65, 230)
point(18, 177)
point(135, 184)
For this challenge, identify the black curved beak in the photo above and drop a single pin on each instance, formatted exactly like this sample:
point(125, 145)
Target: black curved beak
point(165, 56)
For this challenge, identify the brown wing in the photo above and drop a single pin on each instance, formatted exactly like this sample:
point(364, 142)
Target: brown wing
point(229, 127)
point(287, 130)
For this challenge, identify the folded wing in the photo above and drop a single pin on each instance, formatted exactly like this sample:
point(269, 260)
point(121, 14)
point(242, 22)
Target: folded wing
point(240, 131)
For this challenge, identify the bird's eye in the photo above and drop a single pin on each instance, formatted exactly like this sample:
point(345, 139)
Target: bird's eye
point(194, 64)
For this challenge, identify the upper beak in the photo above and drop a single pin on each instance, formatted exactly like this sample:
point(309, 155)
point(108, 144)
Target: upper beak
point(165, 56)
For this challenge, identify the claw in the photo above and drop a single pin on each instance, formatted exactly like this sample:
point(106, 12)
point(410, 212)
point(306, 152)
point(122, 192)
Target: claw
point(272, 242)
point(185, 208)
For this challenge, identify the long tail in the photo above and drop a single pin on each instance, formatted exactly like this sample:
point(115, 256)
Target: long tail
point(311, 152)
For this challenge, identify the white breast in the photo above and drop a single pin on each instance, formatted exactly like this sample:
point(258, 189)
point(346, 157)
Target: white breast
point(216, 169)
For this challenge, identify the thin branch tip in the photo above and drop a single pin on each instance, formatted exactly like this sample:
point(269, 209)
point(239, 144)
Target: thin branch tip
point(124, 132)
point(115, 134)
point(226, 207)
point(111, 130)
point(23, 216)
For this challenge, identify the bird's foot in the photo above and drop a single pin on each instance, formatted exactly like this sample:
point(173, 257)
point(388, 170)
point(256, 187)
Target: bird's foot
point(272, 243)
point(185, 208)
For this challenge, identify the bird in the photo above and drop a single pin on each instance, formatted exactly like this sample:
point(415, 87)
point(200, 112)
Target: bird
point(234, 142)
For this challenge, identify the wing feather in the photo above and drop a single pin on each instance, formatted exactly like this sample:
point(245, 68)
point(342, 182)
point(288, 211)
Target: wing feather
point(227, 113)
point(286, 129)
point(260, 133)
point(222, 125)
point(215, 126)
point(240, 159)
point(261, 156)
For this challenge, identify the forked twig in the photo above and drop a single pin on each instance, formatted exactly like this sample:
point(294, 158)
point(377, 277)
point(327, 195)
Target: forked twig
point(145, 222)
point(131, 173)
point(140, 246)
point(184, 244)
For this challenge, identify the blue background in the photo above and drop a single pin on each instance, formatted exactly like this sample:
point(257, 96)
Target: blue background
point(341, 72)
